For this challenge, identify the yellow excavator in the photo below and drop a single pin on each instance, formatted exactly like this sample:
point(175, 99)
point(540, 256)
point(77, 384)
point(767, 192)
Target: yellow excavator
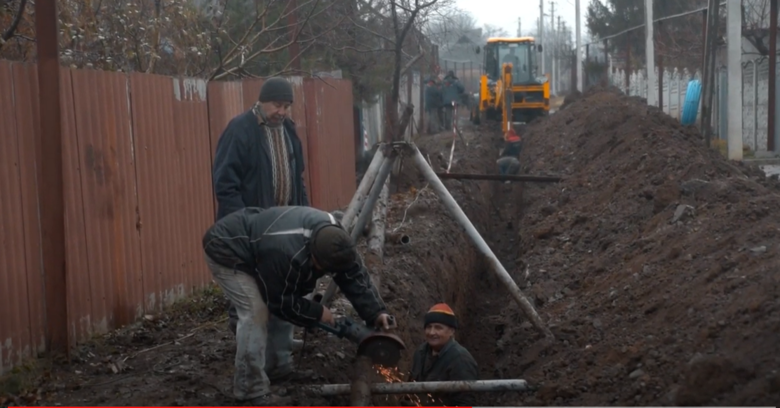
point(511, 90)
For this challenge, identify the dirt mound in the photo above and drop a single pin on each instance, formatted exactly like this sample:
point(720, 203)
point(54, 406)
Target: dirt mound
point(654, 260)
point(571, 98)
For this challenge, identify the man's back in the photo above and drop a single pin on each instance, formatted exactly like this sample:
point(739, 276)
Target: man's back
point(236, 238)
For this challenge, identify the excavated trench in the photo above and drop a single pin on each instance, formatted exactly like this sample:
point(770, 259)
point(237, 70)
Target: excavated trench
point(441, 264)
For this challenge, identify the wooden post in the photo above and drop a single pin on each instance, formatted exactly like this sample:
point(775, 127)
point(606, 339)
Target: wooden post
point(51, 198)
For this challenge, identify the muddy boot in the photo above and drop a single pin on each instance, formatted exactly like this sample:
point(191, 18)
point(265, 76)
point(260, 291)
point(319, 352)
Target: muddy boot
point(269, 400)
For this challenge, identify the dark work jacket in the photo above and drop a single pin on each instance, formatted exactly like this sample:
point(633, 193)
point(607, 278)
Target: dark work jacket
point(454, 363)
point(512, 149)
point(273, 246)
point(451, 91)
point(242, 173)
point(432, 97)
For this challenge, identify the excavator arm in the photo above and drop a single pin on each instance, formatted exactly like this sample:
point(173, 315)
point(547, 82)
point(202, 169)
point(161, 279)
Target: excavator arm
point(507, 96)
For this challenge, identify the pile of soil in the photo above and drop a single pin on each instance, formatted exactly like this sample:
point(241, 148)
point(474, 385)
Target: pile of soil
point(654, 262)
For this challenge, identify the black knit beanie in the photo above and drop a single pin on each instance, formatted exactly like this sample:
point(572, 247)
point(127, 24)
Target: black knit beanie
point(333, 249)
point(276, 89)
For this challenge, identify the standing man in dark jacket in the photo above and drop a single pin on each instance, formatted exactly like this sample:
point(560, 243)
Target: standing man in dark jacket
point(441, 358)
point(259, 158)
point(266, 261)
point(451, 92)
point(432, 105)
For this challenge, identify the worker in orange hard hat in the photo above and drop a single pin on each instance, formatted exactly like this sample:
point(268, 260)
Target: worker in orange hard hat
point(509, 161)
point(441, 358)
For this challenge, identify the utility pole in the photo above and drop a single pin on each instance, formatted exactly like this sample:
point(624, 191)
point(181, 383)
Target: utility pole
point(541, 33)
point(770, 129)
point(51, 197)
point(519, 26)
point(558, 37)
point(577, 48)
point(552, 44)
point(734, 66)
point(708, 77)
point(650, 54)
point(552, 47)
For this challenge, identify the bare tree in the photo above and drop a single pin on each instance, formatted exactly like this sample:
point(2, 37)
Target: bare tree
point(406, 20)
point(489, 30)
point(215, 39)
point(755, 24)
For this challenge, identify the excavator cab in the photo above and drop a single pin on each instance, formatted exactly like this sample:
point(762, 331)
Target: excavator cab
point(511, 89)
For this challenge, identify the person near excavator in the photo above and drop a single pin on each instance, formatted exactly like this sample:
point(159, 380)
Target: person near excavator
point(442, 358)
point(432, 105)
point(509, 160)
point(266, 261)
point(452, 89)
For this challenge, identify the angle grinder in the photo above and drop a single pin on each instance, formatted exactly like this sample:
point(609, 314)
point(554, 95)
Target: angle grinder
point(381, 348)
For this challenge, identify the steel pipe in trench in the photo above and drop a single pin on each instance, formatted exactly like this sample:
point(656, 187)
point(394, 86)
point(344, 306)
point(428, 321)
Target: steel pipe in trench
point(500, 177)
point(363, 188)
point(329, 390)
point(461, 218)
point(365, 213)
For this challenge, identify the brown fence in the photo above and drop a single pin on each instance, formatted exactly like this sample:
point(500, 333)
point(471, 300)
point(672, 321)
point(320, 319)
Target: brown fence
point(138, 195)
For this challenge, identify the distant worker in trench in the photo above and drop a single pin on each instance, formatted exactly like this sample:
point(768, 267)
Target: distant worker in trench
point(442, 358)
point(259, 158)
point(266, 261)
point(509, 160)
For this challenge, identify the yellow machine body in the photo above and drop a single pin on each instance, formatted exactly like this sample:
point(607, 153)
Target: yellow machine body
point(510, 90)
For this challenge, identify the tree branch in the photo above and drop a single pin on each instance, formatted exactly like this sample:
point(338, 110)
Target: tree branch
point(14, 24)
point(410, 64)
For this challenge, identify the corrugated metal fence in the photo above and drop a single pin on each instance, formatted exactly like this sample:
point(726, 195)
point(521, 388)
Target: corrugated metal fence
point(138, 150)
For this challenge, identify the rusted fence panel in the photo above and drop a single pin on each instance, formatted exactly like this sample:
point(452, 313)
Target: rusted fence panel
point(298, 114)
point(225, 101)
point(196, 214)
point(108, 185)
point(25, 91)
point(79, 294)
point(138, 151)
point(329, 118)
point(158, 169)
point(14, 309)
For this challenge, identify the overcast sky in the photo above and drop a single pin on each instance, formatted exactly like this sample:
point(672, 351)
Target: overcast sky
point(504, 13)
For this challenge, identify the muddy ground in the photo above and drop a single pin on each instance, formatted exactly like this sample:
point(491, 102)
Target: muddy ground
point(654, 262)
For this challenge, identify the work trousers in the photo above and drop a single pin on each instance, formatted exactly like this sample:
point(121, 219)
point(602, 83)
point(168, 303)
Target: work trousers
point(433, 123)
point(508, 165)
point(448, 117)
point(264, 342)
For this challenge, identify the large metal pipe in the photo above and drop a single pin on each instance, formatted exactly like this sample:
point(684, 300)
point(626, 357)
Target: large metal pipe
point(360, 388)
point(499, 177)
point(365, 212)
point(457, 213)
point(365, 184)
point(329, 390)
